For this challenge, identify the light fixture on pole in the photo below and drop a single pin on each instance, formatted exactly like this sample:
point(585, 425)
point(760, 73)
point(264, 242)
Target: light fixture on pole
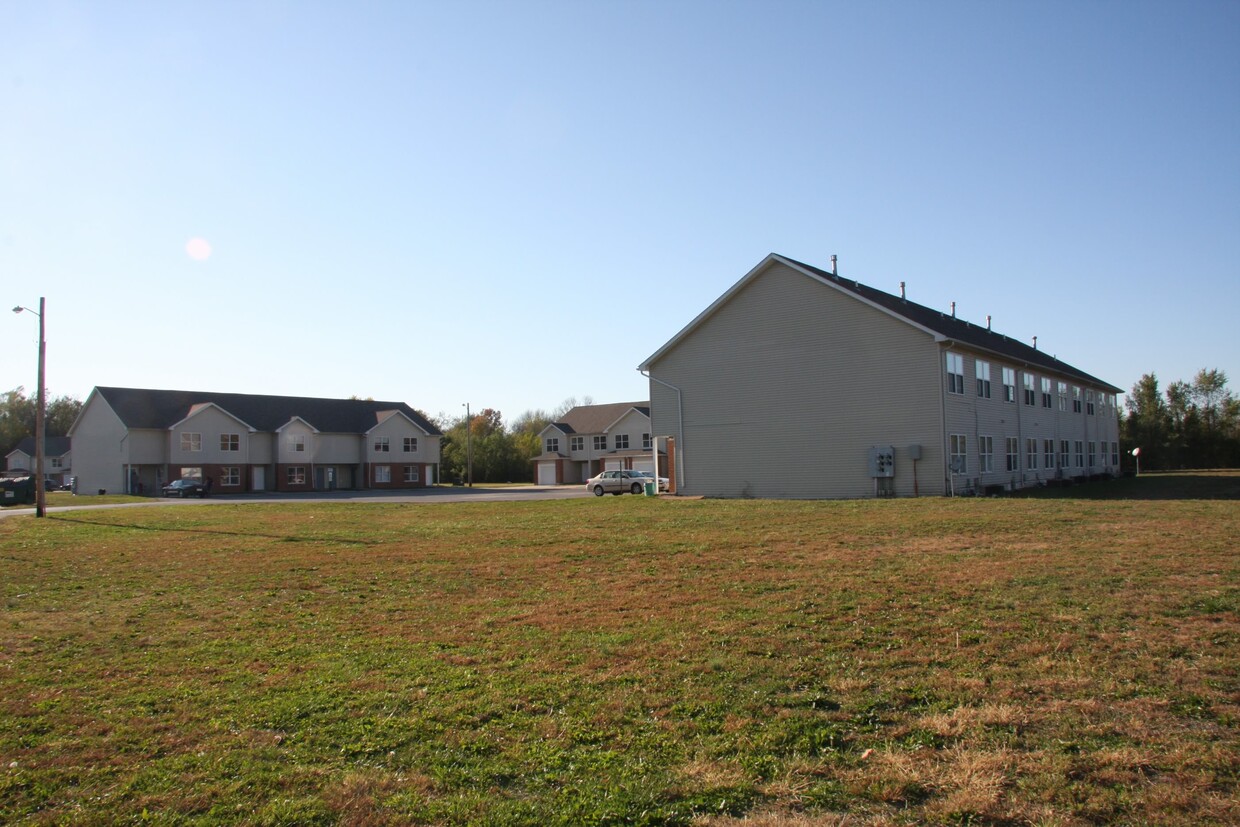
point(40, 503)
point(469, 446)
point(1136, 454)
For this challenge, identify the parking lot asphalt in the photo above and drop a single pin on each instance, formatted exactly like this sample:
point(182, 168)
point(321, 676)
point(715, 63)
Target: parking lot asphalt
point(423, 496)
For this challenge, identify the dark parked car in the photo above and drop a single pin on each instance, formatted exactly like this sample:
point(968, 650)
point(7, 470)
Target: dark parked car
point(185, 488)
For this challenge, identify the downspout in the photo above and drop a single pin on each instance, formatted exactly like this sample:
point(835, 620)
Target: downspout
point(680, 433)
point(943, 438)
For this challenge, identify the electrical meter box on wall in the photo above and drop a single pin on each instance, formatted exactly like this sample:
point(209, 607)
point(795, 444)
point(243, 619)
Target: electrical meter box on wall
point(882, 461)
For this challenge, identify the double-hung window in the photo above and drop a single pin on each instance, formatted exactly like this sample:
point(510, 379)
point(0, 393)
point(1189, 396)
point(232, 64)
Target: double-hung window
point(230, 475)
point(1009, 384)
point(1076, 399)
point(959, 456)
point(297, 443)
point(986, 453)
point(382, 445)
point(1080, 453)
point(383, 473)
point(1048, 454)
point(411, 444)
point(1031, 454)
point(1089, 403)
point(1115, 454)
point(191, 441)
point(983, 378)
point(553, 445)
point(230, 442)
point(576, 443)
point(1091, 453)
point(955, 373)
point(1013, 454)
point(1030, 394)
point(600, 443)
point(1063, 396)
point(1046, 393)
point(647, 444)
point(1063, 453)
point(296, 474)
point(622, 442)
point(411, 473)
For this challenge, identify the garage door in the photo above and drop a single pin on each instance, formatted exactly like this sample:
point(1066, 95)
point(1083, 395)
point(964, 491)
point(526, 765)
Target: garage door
point(613, 465)
point(646, 465)
point(546, 473)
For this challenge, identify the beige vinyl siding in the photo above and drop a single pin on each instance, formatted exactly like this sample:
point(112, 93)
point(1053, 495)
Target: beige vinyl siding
point(100, 449)
point(788, 384)
point(976, 417)
point(339, 449)
point(210, 423)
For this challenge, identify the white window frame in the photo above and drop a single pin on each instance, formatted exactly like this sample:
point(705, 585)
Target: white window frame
point(1064, 454)
point(986, 453)
point(295, 475)
point(1079, 446)
point(1012, 446)
point(191, 442)
point(1048, 400)
point(1031, 453)
point(1009, 384)
point(297, 443)
point(411, 474)
point(410, 444)
point(982, 370)
point(1031, 395)
point(576, 443)
point(1092, 455)
point(230, 442)
point(382, 445)
point(1048, 454)
point(1114, 454)
point(553, 445)
point(1076, 399)
point(958, 453)
point(955, 373)
point(647, 442)
point(1089, 403)
point(622, 442)
point(230, 475)
point(600, 443)
point(1063, 396)
point(383, 473)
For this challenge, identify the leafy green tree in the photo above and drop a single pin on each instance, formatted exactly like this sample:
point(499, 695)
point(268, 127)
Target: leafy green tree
point(1148, 424)
point(18, 413)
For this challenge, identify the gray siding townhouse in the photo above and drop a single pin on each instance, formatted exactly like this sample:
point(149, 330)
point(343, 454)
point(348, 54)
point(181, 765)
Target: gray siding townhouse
point(799, 383)
point(134, 440)
point(590, 439)
point(56, 458)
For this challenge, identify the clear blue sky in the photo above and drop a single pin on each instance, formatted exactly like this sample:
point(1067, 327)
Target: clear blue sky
point(514, 203)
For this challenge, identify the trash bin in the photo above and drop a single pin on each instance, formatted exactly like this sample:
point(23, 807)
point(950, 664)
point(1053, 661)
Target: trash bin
point(650, 489)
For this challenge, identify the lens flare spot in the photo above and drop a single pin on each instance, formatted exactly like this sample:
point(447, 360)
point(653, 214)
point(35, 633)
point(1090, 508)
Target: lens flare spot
point(198, 249)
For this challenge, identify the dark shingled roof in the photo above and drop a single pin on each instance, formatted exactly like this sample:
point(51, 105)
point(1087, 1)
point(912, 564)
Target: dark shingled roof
point(159, 409)
point(53, 446)
point(958, 329)
point(594, 419)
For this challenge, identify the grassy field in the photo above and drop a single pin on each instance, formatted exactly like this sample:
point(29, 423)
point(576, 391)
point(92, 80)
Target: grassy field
point(1066, 658)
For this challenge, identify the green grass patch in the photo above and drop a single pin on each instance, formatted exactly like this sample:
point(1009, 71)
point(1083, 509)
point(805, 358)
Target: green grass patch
point(1059, 659)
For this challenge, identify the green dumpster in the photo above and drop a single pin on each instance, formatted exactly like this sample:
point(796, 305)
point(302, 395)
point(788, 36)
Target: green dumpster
point(650, 489)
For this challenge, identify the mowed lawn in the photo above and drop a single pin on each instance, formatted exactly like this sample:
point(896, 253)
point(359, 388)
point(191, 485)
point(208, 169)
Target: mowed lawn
point(1070, 658)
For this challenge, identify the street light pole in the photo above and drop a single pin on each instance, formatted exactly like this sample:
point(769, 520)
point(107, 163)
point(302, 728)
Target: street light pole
point(469, 446)
point(40, 501)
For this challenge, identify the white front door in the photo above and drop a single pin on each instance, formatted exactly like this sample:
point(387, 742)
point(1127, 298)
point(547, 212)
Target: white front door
point(259, 475)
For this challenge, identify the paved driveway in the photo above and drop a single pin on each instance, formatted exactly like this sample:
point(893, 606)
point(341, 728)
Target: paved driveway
point(428, 496)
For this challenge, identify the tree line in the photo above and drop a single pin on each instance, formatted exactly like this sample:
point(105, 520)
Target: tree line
point(1193, 424)
point(18, 412)
point(1190, 424)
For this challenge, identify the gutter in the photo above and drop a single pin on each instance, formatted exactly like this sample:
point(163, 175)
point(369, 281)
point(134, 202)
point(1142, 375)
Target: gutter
point(680, 432)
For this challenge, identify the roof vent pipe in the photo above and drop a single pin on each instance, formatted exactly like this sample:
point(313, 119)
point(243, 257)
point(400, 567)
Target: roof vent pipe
point(1035, 342)
point(953, 310)
point(833, 263)
point(988, 321)
point(902, 297)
